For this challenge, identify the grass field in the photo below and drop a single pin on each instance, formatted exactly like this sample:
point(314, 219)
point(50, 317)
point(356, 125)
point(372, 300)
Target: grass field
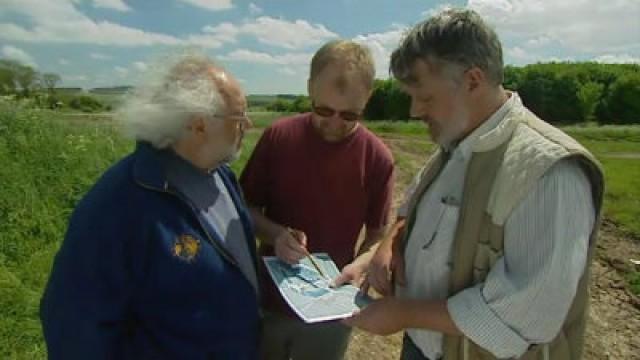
point(48, 162)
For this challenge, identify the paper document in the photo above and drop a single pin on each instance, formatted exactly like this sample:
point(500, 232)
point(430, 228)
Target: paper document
point(308, 293)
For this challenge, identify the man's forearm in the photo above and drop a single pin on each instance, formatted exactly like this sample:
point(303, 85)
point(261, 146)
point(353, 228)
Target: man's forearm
point(372, 240)
point(395, 235)
point(397, 230)
point(430, 315)
point(266, 229)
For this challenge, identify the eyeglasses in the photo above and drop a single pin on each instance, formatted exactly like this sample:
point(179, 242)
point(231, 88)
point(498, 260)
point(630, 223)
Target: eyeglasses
point(329, 112)
point(242, 119)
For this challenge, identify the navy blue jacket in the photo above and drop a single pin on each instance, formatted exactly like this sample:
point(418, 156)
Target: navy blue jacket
point(140, 275)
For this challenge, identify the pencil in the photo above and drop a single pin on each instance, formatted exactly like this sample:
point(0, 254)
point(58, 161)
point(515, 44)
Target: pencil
point(315, 264)
point(295, 234)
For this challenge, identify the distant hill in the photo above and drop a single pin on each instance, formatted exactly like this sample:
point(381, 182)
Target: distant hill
point(111, 90)
point(262, 100)
point(255, 101)
point(68, 90)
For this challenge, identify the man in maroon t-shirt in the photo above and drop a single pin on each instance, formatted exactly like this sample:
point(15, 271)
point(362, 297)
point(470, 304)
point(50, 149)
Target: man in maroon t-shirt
point(313, 181)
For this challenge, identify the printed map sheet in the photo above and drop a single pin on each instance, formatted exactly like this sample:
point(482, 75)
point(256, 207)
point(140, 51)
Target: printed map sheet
point(308, 293)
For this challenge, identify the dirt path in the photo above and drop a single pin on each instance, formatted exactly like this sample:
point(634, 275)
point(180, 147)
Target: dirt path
point(613, 330)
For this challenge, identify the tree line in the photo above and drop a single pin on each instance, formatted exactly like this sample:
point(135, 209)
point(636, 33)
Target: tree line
point(560, 93)
point(23, 80)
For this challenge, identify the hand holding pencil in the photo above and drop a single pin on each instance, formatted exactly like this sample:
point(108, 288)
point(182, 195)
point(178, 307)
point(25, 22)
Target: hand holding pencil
point(291, 245)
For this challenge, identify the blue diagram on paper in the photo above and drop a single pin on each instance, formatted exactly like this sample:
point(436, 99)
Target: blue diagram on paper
point(309, 293)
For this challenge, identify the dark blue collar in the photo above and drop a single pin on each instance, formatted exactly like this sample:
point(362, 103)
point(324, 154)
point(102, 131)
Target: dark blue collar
point(147, 168)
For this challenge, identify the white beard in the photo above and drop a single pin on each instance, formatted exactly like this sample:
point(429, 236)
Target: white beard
point(455, 128)
point(235, 155)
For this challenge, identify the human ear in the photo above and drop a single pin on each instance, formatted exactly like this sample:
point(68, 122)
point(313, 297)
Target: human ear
point(474, 78)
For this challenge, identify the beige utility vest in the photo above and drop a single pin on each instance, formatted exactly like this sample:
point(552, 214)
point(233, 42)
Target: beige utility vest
point(505, 165)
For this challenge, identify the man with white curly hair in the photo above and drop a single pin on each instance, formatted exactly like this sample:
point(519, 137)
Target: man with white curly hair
point(159, 258)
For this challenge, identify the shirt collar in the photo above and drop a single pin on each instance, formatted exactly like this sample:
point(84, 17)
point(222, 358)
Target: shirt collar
point(464, 148)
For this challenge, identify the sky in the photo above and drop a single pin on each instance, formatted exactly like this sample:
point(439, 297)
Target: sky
point(268, 45)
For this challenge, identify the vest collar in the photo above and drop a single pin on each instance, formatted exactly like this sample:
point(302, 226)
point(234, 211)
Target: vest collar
point(505, 121)
point(490, 131)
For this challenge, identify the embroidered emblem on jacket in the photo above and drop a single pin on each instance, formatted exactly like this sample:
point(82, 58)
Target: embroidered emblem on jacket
point(186, 247)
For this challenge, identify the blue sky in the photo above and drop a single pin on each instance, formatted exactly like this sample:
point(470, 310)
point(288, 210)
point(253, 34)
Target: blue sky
point(268, 44)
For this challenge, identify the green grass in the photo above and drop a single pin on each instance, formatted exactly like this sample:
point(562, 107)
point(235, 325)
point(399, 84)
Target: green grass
point(49, 160)
point(618, 149)
point(46, 167)
point(608, 139)
point(634, 282)
point(622, 195)
point(411, 127)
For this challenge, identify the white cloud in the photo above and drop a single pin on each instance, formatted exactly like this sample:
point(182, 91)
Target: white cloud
point(549, 30)
point(14, 53)
point(433, 11)
point(287, 71)
point(585, 26)
point(244, 55)
point(100, 56)
point(225, 32)
point(121, 71)
point(214, 36)
point(118, 5)
point(540, 41)
point(296, 34)
point(519, 56)
point(296, 63)
point(254, 9)
point(60, 22)
point(214, 5)
point(618, 59)
point(288, 34)
point(74, 78)
point(140, 66)
point(63, 61)
point(381, 45)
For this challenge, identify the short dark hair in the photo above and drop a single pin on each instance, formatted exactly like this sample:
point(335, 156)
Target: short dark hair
point(457, 37)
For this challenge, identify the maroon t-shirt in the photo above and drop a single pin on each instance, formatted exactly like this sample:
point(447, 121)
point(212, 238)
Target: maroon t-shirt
point(329, 190)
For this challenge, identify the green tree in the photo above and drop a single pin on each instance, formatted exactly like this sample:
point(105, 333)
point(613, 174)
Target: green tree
point(301, 104)
point(563, 103)
point(387, 102)
point(623, 100)
point(279, 106)
point(589, 95)
point(8, 72)
point(7, 82)
point(536, 82)
point(86, 104)
point(512, 77)
point(50, 80)
point(27, 79)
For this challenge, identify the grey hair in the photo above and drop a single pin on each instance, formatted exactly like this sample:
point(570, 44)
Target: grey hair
point(453, 40)
point(172, 92)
